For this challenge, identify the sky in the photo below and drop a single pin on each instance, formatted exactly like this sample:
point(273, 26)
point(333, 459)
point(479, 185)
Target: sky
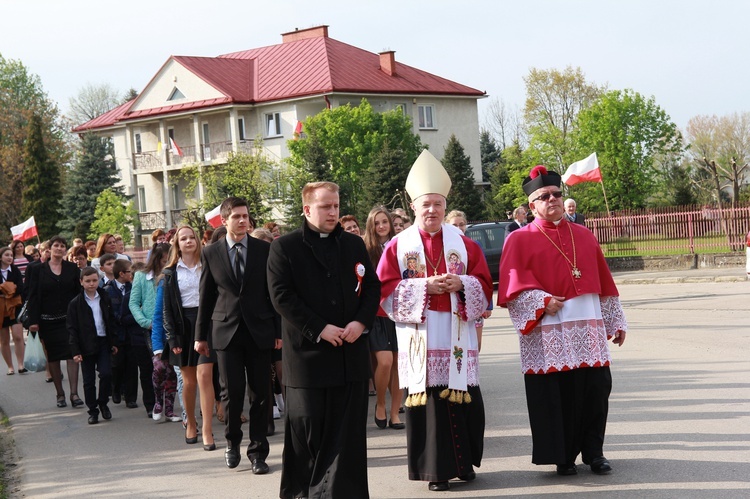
point(691, 56)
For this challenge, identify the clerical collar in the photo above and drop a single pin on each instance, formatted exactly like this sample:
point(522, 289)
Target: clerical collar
point(431, 234)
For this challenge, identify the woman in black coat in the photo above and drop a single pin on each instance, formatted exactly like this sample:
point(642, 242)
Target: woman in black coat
point(51, 286)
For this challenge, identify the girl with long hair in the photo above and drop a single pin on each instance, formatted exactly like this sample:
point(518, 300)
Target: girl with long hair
point(383, 345)
point(11, 274)
point(181, 279)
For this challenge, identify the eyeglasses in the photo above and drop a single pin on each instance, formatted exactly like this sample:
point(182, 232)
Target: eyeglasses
point(545, 197)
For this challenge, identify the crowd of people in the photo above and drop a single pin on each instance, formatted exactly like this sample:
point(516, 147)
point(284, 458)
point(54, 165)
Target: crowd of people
point(394, 310)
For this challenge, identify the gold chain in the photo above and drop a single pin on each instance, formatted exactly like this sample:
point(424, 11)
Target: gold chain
point(576, 273)
point(434, 267)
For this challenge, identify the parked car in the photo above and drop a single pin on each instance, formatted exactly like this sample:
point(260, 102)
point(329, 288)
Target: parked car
point(490, 236)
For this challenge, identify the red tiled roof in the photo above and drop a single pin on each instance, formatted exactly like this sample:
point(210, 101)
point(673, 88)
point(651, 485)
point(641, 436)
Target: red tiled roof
point(310, 66)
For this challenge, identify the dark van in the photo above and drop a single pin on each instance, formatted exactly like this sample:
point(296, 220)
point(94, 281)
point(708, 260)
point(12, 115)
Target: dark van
point(490, 237)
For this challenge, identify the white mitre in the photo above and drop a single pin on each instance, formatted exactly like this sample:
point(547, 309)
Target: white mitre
point(427, 176)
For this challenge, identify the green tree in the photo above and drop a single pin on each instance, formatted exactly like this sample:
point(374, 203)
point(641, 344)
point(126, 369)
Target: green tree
point(633, 138)
point(21, 96)
point(312, 166)
point(553, 100)
point(506, 181)
point(464, 194)
point(245, 175)
point(114, 215)
point(41, 178)
point(94, 171)
point(350, 137)
point(490, 154)
point(383, 183)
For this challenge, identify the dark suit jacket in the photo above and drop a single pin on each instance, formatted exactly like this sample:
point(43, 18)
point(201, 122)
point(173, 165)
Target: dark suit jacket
point(510, 228)
point(82, 328)
point(304, 291)
point(224, 301)
point(579, 219)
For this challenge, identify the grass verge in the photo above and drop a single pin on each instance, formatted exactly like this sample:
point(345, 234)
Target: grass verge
point(10, 479)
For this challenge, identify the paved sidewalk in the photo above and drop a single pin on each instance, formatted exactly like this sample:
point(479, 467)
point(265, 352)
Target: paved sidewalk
point(679, 422)
point(727, 274)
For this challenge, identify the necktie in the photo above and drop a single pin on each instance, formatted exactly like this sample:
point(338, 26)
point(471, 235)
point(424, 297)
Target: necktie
point(239, 264)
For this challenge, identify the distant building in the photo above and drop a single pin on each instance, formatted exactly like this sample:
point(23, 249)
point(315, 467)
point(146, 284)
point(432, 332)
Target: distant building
point(208, 107)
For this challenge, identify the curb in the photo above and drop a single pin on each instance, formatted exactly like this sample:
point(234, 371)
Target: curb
point(679, 280)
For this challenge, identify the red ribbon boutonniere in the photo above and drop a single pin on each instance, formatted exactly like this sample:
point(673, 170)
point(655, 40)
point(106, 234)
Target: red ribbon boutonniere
point(359, 270)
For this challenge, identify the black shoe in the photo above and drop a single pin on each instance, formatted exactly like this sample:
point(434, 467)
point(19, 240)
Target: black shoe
point(191, 440)
point(209, 447)
point(61, 401)
point(396, 426)
point(150, 414)
point(232, 456)
point(601, 466)
point(259, 467)
point(468, 477)
point(381, 423)
point(76, 402)
point(567, 469)
point(131, 405)
point(271, 429)
point(93, 419)
point(438, 486)
point(116, 398)
point(106, 413)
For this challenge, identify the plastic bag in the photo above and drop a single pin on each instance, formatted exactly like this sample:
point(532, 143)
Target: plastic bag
point(33, 358)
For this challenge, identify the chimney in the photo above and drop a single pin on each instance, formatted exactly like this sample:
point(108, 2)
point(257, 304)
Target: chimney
point(303, 34)
point(388, 62)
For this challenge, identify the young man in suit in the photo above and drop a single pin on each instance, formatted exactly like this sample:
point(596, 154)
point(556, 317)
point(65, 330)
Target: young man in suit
point(236, 312)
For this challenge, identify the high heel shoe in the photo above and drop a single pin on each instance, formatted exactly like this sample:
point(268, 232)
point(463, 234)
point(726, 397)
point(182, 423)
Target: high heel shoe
point(191, 440)
point(76, 402)
point(211, 446)
point(61, 401)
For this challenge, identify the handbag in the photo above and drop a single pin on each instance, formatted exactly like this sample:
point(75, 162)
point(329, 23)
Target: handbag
point(23, 315)
point(33, 358)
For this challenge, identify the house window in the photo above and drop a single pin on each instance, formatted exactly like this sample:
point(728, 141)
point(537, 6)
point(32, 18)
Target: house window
point(402, 107)
point(241, 126)
point(176, 94)
point(142, 198)
point(426, 116)
point(138, 148)
point(170, 133)
point(175, 196)
point(206, 143)
point(273, 125)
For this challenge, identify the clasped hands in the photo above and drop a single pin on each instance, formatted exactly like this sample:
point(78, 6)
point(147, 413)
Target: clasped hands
point(445, 283)
point(336, 336)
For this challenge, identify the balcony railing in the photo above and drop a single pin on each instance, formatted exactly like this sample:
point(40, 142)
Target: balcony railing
point(149, 161)
point(152, 220)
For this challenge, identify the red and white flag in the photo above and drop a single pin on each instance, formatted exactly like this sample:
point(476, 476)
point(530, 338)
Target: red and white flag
point(586, 170)
point(213, 217)
point(24, 231)
point(175, 148)
point(298, 130)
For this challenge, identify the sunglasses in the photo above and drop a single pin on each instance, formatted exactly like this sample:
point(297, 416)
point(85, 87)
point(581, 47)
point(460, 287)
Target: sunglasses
point(545, 197)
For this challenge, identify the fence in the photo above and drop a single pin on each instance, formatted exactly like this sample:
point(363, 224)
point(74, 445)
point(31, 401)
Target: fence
point(673, 230)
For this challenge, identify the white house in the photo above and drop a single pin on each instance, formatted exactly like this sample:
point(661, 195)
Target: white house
point(208, 107)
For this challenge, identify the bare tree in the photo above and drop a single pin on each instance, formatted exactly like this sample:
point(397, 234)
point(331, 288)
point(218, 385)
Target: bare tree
point(505, 124)
point(92, 101)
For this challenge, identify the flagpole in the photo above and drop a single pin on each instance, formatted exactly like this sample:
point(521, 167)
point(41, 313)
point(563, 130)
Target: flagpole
point(605, 195)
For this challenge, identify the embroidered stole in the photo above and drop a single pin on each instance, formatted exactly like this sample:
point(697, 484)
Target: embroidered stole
point(412, 335)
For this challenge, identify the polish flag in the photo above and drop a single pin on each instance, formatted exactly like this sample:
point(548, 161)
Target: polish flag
point(298, 130)
point(213, 217)
point(24, 231)
point(586, 170)
point(175, 148)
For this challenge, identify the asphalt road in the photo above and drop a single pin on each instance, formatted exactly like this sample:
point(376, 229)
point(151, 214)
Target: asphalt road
point(679, 422)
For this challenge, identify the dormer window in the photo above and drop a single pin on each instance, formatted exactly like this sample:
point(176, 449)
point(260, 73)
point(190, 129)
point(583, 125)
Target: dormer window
point(176, 94)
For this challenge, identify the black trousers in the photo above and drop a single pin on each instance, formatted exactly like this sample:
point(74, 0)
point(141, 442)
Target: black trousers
point(102, 362)
point(325, 442)
point(568, 414)
point(245, 368)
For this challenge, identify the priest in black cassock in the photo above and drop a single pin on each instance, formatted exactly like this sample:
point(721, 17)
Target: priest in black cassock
point(435, 284)
point(323, 285)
